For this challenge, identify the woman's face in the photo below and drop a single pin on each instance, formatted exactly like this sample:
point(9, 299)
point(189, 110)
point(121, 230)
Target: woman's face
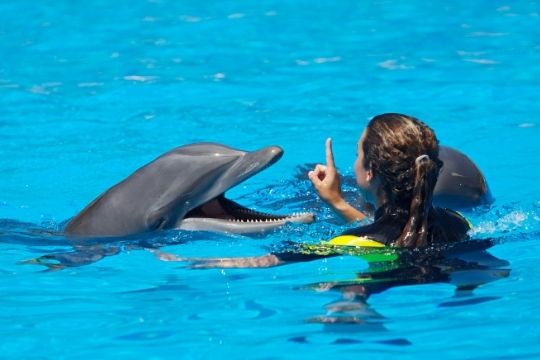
point(364, 177)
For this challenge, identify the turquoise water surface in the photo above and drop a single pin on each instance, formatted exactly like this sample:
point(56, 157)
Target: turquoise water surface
point(91, 91)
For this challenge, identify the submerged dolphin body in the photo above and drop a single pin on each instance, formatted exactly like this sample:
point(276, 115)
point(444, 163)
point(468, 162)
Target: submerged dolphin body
point(461, 184)
point(183, 188)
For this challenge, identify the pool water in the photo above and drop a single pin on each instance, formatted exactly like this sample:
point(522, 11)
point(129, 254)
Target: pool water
point(91, 91)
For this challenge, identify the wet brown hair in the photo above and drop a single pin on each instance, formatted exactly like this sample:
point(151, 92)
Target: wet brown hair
point(394, 149)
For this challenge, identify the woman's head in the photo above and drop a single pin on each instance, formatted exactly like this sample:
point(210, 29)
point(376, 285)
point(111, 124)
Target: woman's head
point(391, 163)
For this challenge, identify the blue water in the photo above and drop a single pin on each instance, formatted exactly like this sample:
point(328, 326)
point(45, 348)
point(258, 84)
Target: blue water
point(91, 91)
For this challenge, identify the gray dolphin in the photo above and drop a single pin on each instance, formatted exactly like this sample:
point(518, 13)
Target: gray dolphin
point(184, 189)
point(461, 184)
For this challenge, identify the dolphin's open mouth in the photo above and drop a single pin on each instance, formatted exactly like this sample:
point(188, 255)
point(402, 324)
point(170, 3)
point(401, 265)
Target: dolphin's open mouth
point(222, 214)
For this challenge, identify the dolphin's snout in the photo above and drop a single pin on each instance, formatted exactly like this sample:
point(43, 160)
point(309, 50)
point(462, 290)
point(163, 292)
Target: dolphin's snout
point(275, 150)
point(274, 153)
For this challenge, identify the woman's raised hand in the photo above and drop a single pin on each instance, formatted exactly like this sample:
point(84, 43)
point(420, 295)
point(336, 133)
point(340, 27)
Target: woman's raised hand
point(325, 178)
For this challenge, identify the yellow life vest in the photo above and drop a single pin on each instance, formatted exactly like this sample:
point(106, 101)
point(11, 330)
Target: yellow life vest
point(368, 249)
point(351, 240)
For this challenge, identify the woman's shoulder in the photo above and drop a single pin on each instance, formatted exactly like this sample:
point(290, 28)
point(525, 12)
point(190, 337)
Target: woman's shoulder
point(452, 217)
point(449, 225)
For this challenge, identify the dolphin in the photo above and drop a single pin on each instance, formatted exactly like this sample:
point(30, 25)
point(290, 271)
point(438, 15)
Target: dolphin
point(183, 189)
point(461, 184)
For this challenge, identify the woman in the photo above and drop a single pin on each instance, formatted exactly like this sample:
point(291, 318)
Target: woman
point(396, 168)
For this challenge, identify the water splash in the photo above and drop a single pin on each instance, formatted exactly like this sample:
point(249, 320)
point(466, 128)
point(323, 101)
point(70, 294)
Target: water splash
point(502, 220)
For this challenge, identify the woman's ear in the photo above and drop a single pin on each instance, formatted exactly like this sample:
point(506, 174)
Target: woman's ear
point(369, 176)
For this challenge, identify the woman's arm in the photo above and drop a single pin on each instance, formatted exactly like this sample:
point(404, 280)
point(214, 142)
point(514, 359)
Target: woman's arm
point(312, 252)
point(263, 261)
point(347, 211)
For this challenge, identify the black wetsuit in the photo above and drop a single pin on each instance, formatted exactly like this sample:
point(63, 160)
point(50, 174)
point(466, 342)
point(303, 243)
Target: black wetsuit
point(445, 226)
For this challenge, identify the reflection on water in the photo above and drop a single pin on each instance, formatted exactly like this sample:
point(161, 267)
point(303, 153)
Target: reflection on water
point(466, 265)
point(61, 252)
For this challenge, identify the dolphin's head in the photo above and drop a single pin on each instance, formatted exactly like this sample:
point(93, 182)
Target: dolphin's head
point(183, 188)
point(218, 169)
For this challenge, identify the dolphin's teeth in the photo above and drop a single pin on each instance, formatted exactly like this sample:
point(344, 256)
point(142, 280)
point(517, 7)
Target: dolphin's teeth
point(249, 216)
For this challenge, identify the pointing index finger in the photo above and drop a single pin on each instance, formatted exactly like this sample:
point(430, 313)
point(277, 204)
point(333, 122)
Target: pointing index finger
point(329, 153)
